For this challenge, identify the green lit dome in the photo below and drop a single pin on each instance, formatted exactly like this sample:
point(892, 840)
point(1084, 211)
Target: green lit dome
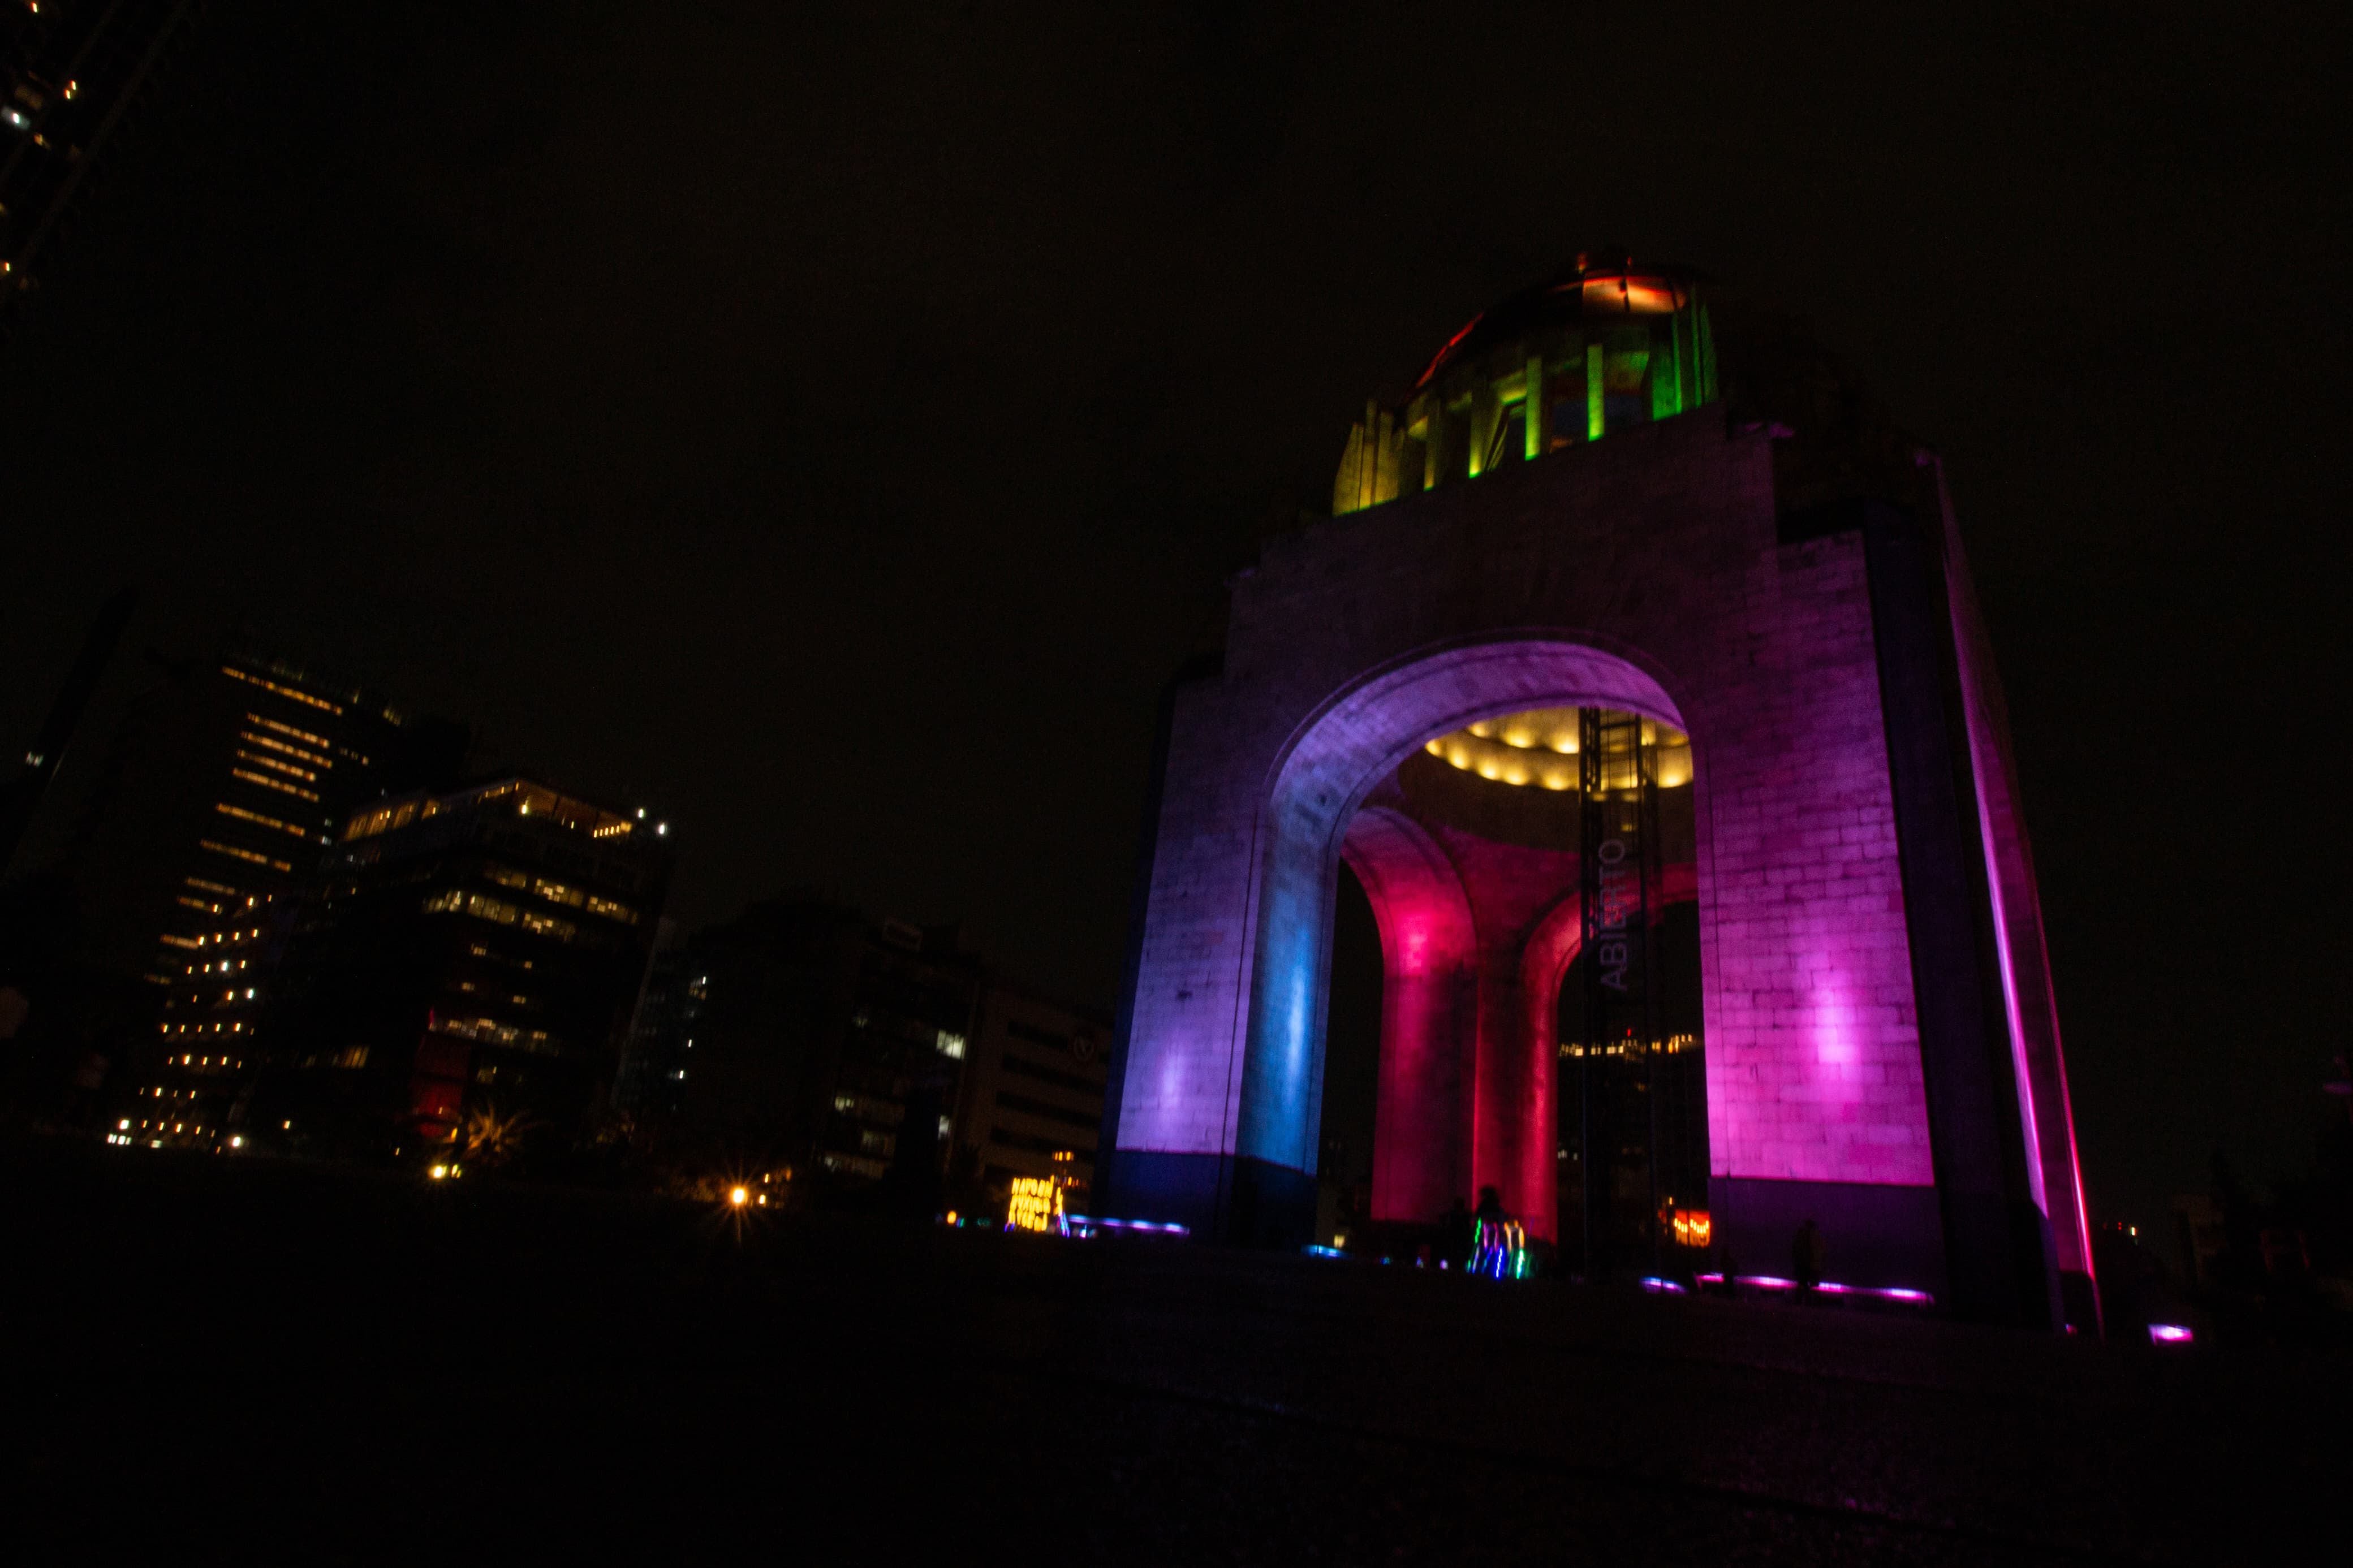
point(1606, 343)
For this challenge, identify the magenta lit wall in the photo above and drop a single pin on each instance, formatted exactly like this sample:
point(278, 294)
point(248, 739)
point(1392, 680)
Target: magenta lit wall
point(1647, 572)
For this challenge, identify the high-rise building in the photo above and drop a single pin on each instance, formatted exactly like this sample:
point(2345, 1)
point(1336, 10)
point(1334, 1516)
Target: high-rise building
point(827, 1043)
point(217, 799)
point(464, 975)
point(72, 72)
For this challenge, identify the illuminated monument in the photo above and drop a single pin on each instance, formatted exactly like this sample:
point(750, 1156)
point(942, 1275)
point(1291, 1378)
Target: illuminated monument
point(1642, 687)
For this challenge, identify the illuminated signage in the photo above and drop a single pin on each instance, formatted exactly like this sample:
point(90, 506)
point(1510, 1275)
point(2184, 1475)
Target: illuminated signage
point(1036, 1204)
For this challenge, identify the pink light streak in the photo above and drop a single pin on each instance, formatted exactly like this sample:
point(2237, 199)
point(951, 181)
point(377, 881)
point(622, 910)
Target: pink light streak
point(1828, 1288)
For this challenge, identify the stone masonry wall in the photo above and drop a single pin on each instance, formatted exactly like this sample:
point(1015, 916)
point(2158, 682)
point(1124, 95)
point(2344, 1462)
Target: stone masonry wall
point(1657, 548)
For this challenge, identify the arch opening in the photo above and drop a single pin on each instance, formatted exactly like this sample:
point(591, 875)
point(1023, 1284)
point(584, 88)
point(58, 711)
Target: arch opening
point(1455, 790)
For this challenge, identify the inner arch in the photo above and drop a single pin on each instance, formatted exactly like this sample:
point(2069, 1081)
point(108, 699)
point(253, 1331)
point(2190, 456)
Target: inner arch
point(1354, 743)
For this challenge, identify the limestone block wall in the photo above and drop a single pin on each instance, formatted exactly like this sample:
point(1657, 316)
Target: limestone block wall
point(1642, 572)
point(1813, 1054)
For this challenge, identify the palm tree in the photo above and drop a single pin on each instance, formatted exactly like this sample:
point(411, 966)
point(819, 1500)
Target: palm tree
point(493, 1138)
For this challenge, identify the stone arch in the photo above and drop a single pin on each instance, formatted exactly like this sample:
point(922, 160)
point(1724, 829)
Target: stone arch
point(1354, 739)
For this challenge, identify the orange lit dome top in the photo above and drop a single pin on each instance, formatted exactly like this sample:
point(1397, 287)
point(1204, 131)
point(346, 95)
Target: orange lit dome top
point(1605, 343)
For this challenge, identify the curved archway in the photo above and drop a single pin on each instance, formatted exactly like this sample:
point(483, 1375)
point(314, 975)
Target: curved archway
point(1355, 739)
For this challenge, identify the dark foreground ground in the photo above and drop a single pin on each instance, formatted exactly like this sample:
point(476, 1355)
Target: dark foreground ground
point(208, 1358)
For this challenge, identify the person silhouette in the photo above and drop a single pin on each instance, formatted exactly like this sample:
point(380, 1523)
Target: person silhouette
point(1455, 1235)
point(1808, 1252)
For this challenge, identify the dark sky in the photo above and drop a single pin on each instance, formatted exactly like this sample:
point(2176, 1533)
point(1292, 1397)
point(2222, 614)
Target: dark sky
point(829, 424)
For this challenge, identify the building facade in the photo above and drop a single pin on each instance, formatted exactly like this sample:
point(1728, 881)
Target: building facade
point(827, 1044)
point(652, 1076)
point(1592, 553)
point(1032, 1094)
point(463, 978)
point(218, 800)
point(71, 72)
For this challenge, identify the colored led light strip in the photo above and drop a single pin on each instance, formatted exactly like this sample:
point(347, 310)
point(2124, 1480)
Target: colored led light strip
point(1828, 1288)
point(1088, 1223)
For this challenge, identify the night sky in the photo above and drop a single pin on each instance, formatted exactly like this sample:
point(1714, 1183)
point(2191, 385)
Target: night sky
point(829, 424)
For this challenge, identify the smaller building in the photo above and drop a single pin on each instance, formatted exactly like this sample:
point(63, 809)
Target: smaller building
point(466, 975)
point(879, 1062)
point(1031, 1105)
point(814, 1038)
point(652, 1075)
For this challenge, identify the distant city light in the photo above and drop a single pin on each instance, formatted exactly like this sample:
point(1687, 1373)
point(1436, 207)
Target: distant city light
point(439, 1172)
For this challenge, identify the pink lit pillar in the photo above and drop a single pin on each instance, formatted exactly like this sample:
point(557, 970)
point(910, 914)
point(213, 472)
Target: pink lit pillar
point(1421, 1148)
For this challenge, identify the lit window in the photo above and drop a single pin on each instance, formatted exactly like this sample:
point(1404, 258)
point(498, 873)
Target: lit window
point(272, 764)
point(254, 817)
point(236, 853)
point(268, 783)
point(283, 749)
point(284, 691)
point(548, 925)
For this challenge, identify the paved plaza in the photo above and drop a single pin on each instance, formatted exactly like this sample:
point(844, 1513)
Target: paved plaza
point(287, 1362)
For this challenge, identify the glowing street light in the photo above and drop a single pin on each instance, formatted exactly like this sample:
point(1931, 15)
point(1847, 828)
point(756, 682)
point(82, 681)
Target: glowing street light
point(739, 1196)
